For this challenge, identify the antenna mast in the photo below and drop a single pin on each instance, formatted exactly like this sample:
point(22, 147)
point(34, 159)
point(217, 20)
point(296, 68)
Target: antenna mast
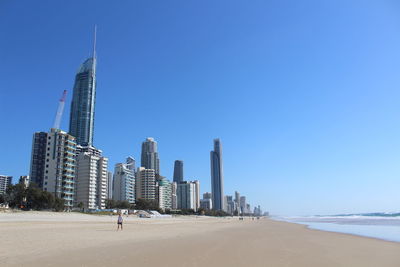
point(60, 110)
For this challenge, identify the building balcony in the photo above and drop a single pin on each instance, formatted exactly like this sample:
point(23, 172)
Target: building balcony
point(68, 181)
point(68, 186)
point(68, 198)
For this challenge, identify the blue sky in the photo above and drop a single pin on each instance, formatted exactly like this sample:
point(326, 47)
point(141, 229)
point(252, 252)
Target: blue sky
point(303, 94)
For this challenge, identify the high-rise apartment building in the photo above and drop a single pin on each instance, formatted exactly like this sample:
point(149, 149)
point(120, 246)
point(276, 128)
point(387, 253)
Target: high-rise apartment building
point(5, 182)
point(178, 171)
point(188, 195)
point(124, 182)
point(164, 194)
point(243, 205)
point(237, 201)
point(248, 209)
point(217, 176)
point(24, 179)
point(174, 200)
point(91, 178)
point(53, 164)
point(81, 124)
point(109, 185)
point(207, 195)
point(206, 204)
point(38, 158)
point(149, 157)
point(146, 184)
point(229, 204)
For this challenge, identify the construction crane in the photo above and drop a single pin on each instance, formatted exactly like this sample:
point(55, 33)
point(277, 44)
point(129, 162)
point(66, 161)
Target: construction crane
point(60, 110)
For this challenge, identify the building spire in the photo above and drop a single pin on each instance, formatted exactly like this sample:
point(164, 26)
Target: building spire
point(94, 41)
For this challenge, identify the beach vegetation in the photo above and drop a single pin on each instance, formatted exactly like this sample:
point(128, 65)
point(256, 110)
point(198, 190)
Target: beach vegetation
point(32, 198)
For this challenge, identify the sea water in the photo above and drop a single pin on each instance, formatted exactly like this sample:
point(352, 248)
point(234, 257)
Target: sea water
point(384, 226)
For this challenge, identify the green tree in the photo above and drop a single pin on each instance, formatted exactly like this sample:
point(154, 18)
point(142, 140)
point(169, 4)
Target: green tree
point(143, 204)
point(15, 195)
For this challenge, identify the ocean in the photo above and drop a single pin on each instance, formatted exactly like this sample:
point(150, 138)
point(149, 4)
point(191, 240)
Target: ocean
point(384, 226)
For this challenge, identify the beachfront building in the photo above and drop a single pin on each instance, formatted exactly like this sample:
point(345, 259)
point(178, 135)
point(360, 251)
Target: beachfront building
point(5, 182)
point(229, 204)
point(149, 156)
point(178, 171)
point(24, 180)
point(248, 209)
point(237, 202)
point(217, 176)
point(207, 195)
point(188, 195)
point(174, 200)
point(53, 164)
point(242, 204)
point(164, 193)
point(109, 185)
point(91, 178)
point(146, 184)
point(124, 182)
point(206, 204)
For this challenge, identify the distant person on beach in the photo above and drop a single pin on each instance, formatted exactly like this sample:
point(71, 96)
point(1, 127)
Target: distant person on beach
point(119, 222)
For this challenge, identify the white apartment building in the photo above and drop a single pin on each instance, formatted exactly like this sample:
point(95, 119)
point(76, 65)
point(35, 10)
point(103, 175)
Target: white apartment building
point(5, 181)
point(174, 200)
point(59, 165)
point(109, 185)
point(146, 184)
point(188, 195)
point(91, 178)
point(124, 183)
point(164, 194)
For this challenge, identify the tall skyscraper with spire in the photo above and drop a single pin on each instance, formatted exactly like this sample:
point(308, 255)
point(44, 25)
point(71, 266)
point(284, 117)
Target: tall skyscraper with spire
point(149, 158)
point(217, 176)
point(178, 171)
point(81, 122)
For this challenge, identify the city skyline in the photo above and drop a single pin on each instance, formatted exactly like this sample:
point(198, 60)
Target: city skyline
point(303, 96)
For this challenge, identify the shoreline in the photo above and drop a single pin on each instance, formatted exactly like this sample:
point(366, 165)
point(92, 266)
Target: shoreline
point(87, 240)
point(311, 227)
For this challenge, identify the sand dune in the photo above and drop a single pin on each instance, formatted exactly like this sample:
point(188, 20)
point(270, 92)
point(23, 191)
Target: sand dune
point(50, 239)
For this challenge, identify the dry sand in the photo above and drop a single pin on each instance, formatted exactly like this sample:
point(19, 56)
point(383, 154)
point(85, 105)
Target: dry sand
point(61, 239)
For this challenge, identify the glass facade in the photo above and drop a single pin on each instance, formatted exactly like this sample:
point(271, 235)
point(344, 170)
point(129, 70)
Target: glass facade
point(217, 179)
point(81, 122)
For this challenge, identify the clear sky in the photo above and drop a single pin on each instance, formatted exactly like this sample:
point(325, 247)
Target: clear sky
point(303, 94)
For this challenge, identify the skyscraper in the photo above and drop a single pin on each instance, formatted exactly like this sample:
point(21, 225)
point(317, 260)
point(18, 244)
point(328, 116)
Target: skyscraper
point(83, 101)
point(149, 159)
point(178, 171)
point(217, 176)
point(53, 164)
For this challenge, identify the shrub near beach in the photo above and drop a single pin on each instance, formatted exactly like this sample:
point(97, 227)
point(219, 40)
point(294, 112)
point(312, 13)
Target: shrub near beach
point(31, 198)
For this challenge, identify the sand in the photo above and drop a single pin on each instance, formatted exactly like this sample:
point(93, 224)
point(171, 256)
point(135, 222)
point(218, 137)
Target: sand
point(62, 239)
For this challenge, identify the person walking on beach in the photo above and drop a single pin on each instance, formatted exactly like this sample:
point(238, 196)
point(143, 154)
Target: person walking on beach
point(119, 222)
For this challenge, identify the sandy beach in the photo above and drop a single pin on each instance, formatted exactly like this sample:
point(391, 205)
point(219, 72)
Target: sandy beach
point(62, 239)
